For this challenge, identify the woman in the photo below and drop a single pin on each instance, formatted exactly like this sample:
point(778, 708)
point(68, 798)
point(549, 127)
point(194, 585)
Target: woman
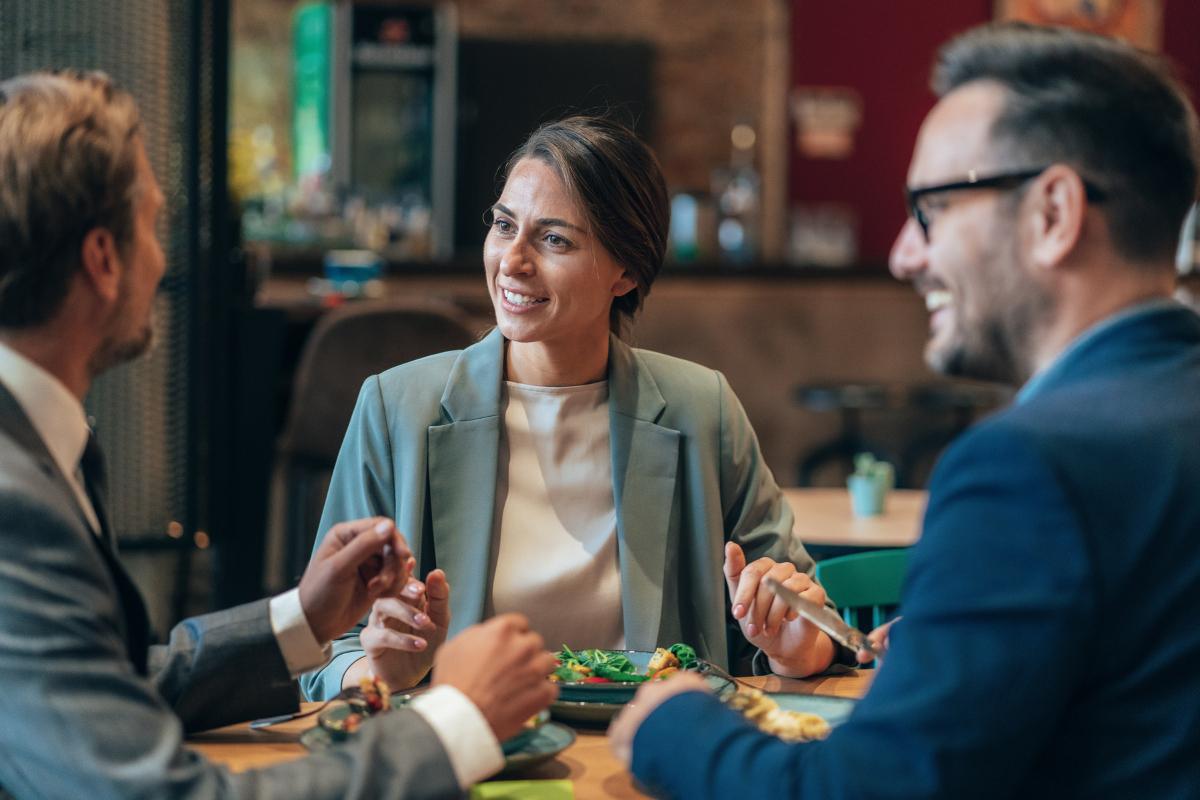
point(551, 469)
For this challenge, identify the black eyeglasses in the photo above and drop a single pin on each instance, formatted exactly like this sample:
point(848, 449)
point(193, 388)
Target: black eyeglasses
point(1002, 181)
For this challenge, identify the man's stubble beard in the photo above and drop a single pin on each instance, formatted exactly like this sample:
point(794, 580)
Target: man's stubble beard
point(116, 350)
point(999, 346)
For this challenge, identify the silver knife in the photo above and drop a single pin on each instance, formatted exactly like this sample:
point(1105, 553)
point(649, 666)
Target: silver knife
point(824, 618)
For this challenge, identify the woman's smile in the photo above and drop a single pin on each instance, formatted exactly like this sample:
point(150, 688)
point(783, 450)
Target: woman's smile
point(519, 303)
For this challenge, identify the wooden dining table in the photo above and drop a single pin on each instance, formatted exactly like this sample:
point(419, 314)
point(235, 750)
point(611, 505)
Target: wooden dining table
point(592, 769)
point(824, 518)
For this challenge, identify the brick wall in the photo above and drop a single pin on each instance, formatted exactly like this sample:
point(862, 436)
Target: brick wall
point(711, 59)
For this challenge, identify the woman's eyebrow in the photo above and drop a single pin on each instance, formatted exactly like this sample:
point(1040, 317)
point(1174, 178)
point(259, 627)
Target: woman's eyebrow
point(555, 222)
point(544, 222)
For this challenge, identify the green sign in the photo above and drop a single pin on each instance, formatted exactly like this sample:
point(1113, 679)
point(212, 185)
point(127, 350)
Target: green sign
point(312, 32)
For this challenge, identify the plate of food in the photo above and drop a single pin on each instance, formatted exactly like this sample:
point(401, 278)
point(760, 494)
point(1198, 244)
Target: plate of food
point(595, 684)
point(790, 716)
point(539, 741)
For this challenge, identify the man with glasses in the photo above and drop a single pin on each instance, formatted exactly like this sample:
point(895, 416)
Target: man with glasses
point(1049, 644)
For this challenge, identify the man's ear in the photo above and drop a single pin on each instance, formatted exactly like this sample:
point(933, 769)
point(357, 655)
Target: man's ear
point(101, 262)
point(1059, 207)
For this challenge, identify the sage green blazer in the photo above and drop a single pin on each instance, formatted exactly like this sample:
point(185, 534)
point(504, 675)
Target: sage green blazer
point(688, 475)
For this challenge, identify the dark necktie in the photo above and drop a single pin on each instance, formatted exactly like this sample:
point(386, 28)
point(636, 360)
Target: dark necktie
point(137, 624)
point(95, 482)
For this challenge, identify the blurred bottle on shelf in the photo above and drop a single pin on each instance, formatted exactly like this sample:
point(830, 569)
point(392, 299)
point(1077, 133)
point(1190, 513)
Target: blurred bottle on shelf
point(1187, 257)
point(738, 190)
point(823, 235)
point(685, 223)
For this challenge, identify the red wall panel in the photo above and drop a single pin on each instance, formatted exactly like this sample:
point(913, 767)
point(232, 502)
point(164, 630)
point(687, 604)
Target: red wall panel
point(884, 49)
point(1181, 41)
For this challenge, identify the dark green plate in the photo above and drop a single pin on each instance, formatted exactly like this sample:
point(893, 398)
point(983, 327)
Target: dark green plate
point(600, 702)
point(533, 746)
point(542, 744)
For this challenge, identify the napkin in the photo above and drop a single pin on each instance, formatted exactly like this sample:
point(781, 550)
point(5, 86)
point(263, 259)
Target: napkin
point(523, 790)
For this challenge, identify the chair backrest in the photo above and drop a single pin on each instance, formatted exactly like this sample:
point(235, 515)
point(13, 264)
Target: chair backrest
point(865, 586)
point(348, 345)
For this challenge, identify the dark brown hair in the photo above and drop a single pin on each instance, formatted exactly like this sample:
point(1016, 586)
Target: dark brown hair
point(68, 164)
point(1113, 113)
point(619, 185)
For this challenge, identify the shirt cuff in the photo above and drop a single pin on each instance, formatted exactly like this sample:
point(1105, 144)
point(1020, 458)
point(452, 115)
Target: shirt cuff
point(301, 650)
point(464, 733)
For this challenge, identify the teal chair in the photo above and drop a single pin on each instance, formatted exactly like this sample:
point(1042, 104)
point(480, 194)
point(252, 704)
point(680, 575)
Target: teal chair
point(865, 582)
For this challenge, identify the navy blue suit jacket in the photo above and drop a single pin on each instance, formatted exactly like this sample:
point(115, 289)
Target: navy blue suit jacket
point(1050, 645)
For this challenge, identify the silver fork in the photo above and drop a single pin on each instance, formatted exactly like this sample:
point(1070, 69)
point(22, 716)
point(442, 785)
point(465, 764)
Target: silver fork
point(267, 722)
point(721, 673)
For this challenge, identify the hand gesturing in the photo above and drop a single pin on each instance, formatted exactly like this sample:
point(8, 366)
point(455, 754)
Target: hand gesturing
point(794, 646)
point(404, 632)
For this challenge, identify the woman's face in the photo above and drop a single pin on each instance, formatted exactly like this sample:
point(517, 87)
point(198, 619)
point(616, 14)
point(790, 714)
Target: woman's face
point(549, 279)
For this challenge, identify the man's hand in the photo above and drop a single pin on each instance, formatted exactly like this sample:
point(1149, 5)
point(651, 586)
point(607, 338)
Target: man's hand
point(503, 668)
point(794, 647)
point(403, 633)
point(357, 562)
point(879, 638)
point(649, 697)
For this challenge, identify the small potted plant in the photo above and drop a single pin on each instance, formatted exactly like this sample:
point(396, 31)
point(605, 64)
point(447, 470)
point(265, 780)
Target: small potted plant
point(869, 485)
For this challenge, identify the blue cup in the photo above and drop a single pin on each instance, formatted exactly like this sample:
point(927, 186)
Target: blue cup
point(867, 494)
point(352, 266)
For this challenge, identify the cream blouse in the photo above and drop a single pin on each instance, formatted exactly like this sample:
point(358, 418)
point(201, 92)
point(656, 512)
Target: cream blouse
point(554, 549)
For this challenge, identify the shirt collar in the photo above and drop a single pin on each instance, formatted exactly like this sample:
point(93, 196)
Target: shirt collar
point(1034, 385)
point(56, 414)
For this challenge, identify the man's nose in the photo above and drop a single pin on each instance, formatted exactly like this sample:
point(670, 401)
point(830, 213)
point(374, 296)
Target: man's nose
point(908, 256)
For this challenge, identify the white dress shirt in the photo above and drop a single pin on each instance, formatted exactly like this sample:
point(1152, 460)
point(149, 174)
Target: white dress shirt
point(60, 421)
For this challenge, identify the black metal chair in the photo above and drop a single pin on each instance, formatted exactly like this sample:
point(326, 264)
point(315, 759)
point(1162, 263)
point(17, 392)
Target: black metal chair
point(961, 403)
point(347, 346)
point(849, 400)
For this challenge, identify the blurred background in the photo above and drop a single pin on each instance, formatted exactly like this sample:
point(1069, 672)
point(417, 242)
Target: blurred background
point(327, 166)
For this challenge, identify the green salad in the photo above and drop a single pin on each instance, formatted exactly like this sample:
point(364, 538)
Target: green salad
point(613, 666)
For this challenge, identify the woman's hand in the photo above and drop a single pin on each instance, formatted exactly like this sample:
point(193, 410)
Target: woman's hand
point(793, 646)
point(879, 638)
point(404, 632)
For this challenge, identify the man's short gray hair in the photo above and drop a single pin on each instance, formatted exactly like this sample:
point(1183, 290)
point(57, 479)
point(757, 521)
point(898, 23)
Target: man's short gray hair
point(68, 164)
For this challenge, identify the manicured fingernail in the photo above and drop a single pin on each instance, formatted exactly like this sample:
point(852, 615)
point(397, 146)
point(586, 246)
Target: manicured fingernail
point(752, 629)
point(419, 643)
point(383, 529)
point(739, 611)
point(421, 620)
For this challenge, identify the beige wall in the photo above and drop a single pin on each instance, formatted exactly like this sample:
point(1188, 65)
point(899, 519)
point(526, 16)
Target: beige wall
point(768, 336)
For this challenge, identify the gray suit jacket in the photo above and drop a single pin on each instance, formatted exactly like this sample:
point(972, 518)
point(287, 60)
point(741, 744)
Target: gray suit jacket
point(85, 713)
point(423, 448)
